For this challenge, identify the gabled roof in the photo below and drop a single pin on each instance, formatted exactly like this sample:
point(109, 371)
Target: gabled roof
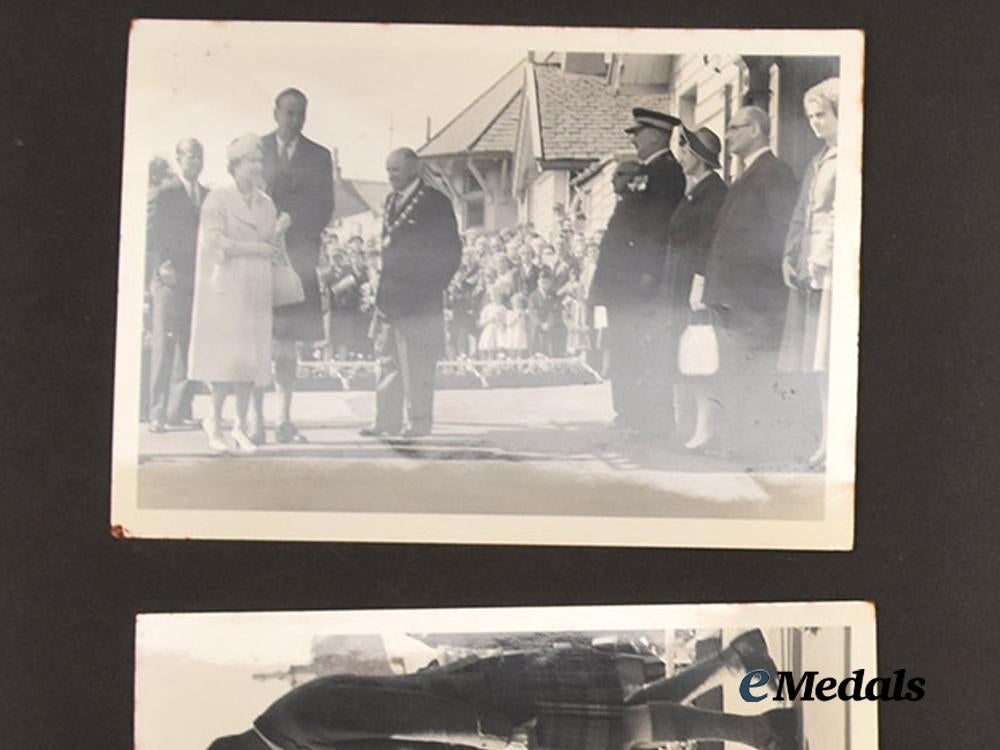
point(581, 117)
point(488, 124)
point(358, 196)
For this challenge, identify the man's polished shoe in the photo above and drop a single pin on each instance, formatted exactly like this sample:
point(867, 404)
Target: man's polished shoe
point(751, 650)
point(376, 432)
point(156, 426)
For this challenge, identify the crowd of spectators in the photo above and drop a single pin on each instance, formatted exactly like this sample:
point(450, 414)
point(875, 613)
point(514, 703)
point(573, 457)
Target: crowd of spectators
point(517, 294)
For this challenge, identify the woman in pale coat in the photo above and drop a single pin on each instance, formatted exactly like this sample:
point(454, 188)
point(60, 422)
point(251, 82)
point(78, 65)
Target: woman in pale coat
point(808, 260)
point(239, 237)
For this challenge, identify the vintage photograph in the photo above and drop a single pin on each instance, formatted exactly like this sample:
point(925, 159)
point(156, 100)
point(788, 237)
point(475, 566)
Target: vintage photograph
point(600, 678)
point(489, 284)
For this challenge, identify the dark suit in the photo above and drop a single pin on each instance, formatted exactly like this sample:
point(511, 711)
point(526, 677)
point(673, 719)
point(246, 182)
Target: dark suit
point(634, 246)
point(743, 284)
point(171, 236)
point(303, 188)
point(421, 251)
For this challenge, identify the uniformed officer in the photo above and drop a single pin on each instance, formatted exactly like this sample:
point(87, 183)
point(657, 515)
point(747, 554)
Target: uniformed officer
point(628, 273)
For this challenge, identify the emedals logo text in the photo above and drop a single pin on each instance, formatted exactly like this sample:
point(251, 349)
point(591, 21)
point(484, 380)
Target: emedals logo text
point(853, 688)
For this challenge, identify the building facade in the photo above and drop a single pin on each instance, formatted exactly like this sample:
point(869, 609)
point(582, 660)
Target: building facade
point(543, 141)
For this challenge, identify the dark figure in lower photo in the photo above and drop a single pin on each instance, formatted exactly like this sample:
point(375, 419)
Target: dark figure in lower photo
point(550, 698)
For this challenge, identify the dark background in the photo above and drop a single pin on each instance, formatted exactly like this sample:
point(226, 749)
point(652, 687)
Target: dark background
point(926, 543)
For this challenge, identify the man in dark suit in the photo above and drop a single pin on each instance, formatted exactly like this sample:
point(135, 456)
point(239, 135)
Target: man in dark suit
point(299, 177)
point(629, 266)
point(743, 281)
point(171, 248)
point(421, 251)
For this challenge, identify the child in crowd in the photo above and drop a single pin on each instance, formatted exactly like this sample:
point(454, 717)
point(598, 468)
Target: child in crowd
point(493, 325)
point(547, 331)
point(575, 318)
point(517, 326)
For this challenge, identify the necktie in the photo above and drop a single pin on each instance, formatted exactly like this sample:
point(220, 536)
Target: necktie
point(394, 204)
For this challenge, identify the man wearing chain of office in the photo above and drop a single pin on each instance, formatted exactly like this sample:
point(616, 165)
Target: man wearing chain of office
point(421, 251)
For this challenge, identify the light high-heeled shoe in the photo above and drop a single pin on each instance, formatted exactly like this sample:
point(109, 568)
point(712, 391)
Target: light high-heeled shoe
point(215, 441)
point(243, 443)
point(697, 444)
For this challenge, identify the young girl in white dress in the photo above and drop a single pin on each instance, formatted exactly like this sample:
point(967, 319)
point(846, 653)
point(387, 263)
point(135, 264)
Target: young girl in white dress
point(493, 325)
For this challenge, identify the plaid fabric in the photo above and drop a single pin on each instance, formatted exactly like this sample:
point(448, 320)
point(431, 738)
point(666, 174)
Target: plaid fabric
point(574, 695)
point(564, 698)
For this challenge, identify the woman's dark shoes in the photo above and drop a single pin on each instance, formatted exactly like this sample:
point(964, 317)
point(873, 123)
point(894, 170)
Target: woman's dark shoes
point(286, 433)
point(751, 649)
point(784, 732)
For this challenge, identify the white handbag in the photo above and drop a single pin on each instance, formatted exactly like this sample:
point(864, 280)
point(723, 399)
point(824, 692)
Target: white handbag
point(698, 351)
point(286, 286)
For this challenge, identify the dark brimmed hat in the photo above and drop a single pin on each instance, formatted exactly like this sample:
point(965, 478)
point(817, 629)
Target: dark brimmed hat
point(650, 118)
point(706, 145)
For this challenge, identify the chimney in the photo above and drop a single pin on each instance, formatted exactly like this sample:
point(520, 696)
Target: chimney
point(428, 136)
point(336, 163)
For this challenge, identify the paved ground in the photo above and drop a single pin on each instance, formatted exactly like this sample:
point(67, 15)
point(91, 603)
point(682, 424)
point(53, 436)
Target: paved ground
point(544, 451)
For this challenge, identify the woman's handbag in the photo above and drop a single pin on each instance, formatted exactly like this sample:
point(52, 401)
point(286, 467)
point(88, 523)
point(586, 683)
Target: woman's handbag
point(286, 286)
point(698, 352)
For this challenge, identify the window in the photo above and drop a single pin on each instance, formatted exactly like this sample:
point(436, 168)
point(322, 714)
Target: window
point(686, 107)
point(475, 211)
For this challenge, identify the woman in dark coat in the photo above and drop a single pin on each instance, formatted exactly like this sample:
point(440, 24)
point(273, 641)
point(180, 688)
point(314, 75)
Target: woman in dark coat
point(565, 697)
point(690, 235)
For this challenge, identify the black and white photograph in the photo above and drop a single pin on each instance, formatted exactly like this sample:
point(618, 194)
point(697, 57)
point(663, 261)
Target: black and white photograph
point(605, 678)
point(489, 285)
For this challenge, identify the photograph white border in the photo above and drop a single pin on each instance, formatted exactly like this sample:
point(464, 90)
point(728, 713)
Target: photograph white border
point(834, 532)
point(168, 633)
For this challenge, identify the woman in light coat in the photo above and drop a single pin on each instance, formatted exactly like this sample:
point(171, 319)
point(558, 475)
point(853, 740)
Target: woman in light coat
point(239, 237)
point(808, 259)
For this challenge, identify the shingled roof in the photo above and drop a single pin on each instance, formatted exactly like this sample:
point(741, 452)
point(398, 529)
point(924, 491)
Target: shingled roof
point(581, 117)
point(488, 124)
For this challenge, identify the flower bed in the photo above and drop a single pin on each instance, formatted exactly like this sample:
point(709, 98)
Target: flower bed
point(454, 374)
point(537, 371)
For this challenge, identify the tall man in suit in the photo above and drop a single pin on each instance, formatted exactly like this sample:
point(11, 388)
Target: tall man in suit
point(628, 272)
point(421, 251)
point(171, 247)
point(743, 282)
point(299, 178)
